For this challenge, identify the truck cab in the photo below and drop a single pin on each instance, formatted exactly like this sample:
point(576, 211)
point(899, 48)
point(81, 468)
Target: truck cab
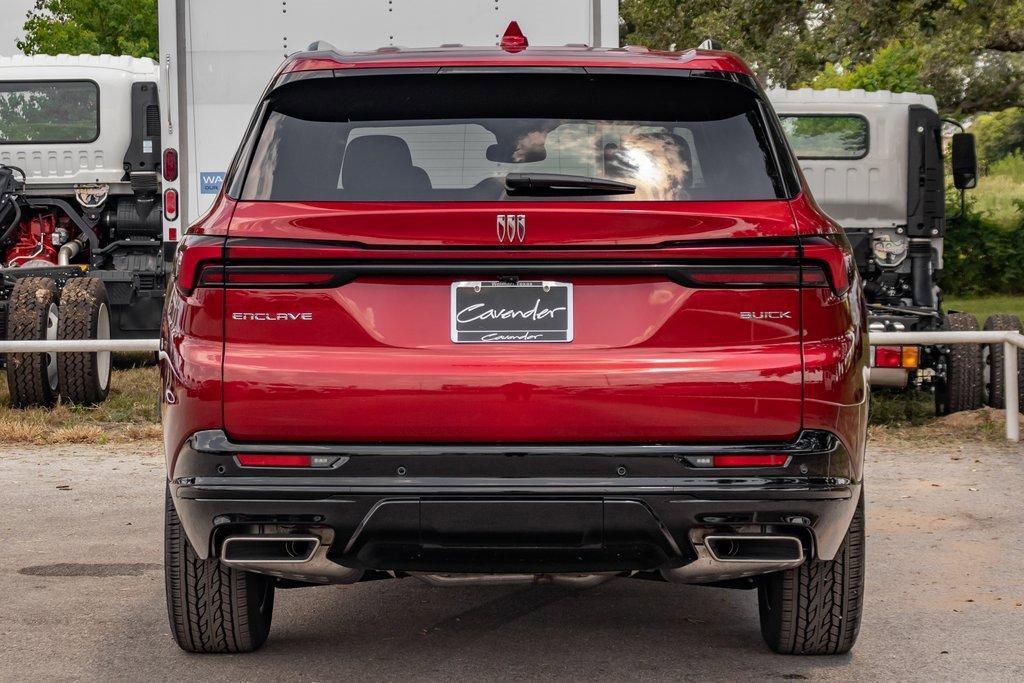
point(80, 242)
point(875, 163)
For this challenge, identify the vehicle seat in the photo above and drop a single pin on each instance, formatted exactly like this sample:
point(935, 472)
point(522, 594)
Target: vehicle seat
point(380, 167)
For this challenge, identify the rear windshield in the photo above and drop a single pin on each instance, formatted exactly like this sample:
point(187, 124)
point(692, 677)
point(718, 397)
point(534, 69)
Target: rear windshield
point(48, 112)
point(456, 137)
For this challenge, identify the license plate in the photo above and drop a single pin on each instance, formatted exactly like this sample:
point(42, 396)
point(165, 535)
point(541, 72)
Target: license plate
point(510, 312)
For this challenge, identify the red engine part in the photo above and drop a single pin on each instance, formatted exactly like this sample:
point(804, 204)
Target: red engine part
point(35, 242)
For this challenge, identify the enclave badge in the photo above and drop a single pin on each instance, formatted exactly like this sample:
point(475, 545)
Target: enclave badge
point(511, 227)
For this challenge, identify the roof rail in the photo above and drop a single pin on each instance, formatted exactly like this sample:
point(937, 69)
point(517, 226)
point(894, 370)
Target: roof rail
point(318, 45)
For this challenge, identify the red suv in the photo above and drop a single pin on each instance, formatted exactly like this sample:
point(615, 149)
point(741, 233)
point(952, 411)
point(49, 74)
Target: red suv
point(552, 315)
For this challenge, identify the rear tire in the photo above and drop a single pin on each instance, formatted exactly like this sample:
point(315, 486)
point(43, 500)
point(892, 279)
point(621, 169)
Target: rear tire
point(994, 361)
point(84, 377)
point(815, 609)
point(32, 315)
point(212, 607)
point(963, 388)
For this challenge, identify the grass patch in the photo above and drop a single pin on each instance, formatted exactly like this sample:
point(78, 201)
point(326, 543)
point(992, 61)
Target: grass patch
point(984, 306)
point(1000, 193)
point(985, 424)
point(901, 408)
point(130, 413)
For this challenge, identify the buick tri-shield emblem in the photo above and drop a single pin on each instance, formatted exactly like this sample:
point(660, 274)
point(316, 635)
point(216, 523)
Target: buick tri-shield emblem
point(511, 227)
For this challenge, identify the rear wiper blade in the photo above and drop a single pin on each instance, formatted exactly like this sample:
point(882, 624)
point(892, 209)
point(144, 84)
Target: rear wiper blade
point(558, 184)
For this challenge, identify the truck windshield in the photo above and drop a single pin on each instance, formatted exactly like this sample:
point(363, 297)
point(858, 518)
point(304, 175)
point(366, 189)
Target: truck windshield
point(459, 137)
point(36, 112)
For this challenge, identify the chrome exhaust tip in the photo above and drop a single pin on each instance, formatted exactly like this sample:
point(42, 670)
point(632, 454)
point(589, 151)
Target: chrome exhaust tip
point(750, 548)
point(268, 549)
point(723, 557)
point(298, 558)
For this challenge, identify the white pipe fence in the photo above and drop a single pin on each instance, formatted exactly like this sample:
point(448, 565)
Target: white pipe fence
point(79, 345)
point(1009, 340)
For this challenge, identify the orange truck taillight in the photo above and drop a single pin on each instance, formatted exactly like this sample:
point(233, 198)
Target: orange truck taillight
point(907, 357)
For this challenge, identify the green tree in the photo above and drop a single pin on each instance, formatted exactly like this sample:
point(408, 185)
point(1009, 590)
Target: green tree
point(971, 52)
point(117, 27)
point(895, 67)
point(999, 134)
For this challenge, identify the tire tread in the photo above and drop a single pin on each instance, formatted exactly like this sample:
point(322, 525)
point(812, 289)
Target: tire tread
point(964, 372)
point(78, 373)
point(208, 603)
point(815, 609)
point(27, 310)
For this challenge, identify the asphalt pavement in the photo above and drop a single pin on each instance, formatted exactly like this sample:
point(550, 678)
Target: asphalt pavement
point(82, 592)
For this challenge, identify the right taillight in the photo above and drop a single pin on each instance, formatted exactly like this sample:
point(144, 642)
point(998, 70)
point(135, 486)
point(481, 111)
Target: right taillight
point(832, 256)
point(747, 276)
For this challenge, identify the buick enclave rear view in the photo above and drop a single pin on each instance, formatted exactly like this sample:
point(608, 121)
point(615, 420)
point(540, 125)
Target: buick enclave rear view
point(469, 316)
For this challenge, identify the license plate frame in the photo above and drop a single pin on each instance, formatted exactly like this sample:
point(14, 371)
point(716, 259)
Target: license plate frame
point(541, 311)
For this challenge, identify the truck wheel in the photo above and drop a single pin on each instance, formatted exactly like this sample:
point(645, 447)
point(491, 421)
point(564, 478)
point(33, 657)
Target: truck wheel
point(993, 356)
point(32, 314)
point(84, 377)
point(212, 607)
point(815, 609)
point(963, 387)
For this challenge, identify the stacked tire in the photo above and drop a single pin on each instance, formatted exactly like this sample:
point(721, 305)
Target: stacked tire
point(39, 310)
point(963, 386)
point(32, 314)
point(995, 383)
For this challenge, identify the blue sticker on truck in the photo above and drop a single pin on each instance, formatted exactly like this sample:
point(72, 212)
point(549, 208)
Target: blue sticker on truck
point(210, 182)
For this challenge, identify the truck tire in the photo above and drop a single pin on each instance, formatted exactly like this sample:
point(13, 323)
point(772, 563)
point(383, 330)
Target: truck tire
point(963, 388)
point(993, 355)
point(84, 377)
point(212, 607)
point(815, 609)
point(32, 314)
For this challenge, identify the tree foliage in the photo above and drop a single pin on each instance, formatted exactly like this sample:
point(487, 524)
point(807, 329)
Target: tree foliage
point(895, 67)
point(117, 27)
point(999, 134)
point(968, 53)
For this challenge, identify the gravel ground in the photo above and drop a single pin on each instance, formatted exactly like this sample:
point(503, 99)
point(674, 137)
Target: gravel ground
point(81, 592)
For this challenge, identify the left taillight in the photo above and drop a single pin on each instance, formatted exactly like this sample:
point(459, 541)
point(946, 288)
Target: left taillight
point(272, 277)
point(196, 254)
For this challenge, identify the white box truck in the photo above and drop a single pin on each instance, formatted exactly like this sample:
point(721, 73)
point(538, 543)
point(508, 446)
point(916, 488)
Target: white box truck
point(216, 57)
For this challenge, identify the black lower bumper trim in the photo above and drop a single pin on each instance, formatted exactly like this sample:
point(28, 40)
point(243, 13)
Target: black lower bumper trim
point(457, 509)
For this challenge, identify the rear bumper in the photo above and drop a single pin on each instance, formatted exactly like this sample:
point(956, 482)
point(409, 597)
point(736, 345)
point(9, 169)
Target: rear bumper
point(523, 509)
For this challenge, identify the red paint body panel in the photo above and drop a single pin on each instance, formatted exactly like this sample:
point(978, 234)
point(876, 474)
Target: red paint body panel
point(651, 361)
point(552, 224)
